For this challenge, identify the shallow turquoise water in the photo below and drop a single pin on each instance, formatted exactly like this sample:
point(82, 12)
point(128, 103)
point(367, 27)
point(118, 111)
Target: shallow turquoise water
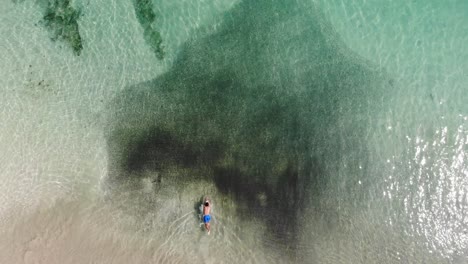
point(324, 131)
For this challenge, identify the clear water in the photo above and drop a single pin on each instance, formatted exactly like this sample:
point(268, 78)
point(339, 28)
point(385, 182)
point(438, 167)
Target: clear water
point(324, 131)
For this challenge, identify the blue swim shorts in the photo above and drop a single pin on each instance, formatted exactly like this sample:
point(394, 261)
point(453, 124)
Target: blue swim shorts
point(206, 218)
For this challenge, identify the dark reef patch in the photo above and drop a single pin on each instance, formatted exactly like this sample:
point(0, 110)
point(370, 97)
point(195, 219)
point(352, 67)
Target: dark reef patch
point(61, 20)
point(156, 149)
point(269, 108)
point(146, 17)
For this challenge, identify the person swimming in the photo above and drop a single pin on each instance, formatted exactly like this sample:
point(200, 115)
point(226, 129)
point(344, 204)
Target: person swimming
point(206, 214)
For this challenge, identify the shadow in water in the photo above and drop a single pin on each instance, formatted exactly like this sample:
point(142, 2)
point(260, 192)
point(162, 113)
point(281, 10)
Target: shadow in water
point(266, 107)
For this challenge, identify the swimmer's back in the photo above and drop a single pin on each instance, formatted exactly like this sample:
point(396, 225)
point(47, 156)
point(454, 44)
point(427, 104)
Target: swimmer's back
point(206, 207)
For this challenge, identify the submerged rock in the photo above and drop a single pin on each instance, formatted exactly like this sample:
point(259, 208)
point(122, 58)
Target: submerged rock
point(146, 17)
point(61, 20)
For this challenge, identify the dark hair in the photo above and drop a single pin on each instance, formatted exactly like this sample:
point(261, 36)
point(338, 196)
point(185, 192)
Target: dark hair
point(207, 204)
